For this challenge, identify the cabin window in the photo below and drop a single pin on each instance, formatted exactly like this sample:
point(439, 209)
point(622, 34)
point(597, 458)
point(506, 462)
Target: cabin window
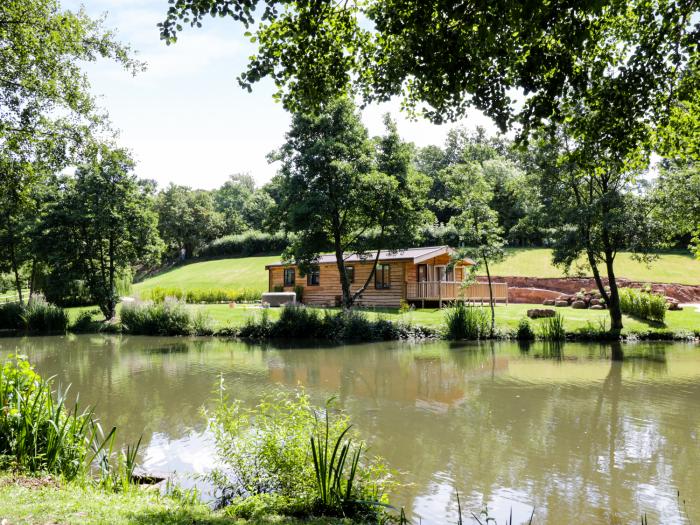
point(313, 278)
point(350, 272)
point(444, 273)
point(289, 276)
point(422, 273)
point(382, 276)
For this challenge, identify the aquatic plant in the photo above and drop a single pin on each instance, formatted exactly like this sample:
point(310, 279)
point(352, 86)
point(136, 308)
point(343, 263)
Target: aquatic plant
point(552, 328)
point(171, 317)
point(467, 322)
point(524, 331)
point(37, 316)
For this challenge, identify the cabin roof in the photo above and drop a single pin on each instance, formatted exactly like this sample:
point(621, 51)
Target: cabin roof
point(415, 255)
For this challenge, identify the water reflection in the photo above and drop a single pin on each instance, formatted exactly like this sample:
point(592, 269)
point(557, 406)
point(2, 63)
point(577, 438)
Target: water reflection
point(558, 428)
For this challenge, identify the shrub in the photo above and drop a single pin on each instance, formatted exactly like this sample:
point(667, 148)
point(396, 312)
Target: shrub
point(287, 450)
point(467, 322)
point(257, 327)
point(170, 317)
point(552, 328)
point(245, 244)
point(643, 304)
point(524, 332)
point(85, 323)
point(11, 316)
point(42, 317)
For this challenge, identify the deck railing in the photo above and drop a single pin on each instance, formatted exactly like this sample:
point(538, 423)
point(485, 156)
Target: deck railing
point(455, 290)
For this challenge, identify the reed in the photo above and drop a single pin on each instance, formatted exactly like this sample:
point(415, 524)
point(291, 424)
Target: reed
point(552, 328)
point(467, 323)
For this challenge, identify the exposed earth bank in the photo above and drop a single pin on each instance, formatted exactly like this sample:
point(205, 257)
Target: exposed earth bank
point(536, 289)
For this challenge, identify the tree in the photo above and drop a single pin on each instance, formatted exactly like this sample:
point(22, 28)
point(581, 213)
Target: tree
point(477, 222)
point(103, 224)
point(677, 194)
point(335, 193)
point(257, 210)
point(187, 219)
point(230, 200)
point(42, 50)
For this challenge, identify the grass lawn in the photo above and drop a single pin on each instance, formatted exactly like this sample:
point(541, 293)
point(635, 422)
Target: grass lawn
point(676, 267)
point(506, 317)
point(33, 501)
point(249, 272)
point(246, 272)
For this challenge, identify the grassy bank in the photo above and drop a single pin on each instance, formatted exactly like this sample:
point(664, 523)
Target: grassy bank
point(507, 317)
point(249, 272)
point(40, 500)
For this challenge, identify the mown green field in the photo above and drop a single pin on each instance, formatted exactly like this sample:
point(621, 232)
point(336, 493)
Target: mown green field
point(249, 272)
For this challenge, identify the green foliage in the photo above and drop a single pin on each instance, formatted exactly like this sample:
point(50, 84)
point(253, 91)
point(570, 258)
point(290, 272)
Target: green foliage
point(42, 317)
point(287, 450)
point(37, 431)
point(245, 244)
point(552, 328)
point(37, 316)
point(643, 304)
point(466, 322)
point(300, 322)
point(85, 323)
point(212, 295)
point(170, 317)
point(524, 331)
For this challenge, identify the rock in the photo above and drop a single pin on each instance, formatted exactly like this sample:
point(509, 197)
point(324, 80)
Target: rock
point(548, 302)
point(597, 307)
point(579, 305)
point(595, 302)
point(674, 306)
point(538, 313)
point(561, 303)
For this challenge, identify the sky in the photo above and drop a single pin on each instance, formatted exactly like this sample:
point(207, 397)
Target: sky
point(185, 118)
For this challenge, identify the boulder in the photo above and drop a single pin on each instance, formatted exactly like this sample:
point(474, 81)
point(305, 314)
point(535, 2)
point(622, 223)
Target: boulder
point(561, 303)
point(537, 313)
point(548, 302)
point(579, 305)
point(597, 307)
point(595, 302)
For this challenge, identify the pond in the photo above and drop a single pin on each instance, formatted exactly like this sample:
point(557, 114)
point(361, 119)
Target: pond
point(564, 432)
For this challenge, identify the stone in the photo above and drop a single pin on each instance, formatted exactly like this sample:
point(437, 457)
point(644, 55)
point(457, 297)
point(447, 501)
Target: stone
point(597, 307)
point(595, 301)
point(538, 313)
point(548, 302)
point(561, 303)
point(579, 305)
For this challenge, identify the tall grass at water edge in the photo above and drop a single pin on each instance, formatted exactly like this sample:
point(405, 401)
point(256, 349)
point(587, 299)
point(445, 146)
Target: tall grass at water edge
point(208, 295)
point(37, 316)
point(170, 317)
point(467, 322)
point(39, 433)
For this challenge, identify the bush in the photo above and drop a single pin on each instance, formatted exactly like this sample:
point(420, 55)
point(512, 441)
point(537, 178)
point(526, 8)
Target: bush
point(246, 244)
point(11, 316)
point(170, 317)
point(286, 450)
point(552, 328)
point(524, 332)
point(36, 316)
point(85, 322)
point(42, 317)
point(210, 295)
point(643, 304)
point(467, 322)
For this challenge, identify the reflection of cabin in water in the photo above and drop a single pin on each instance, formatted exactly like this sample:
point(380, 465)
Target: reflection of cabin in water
point(431, 274)
point(430, 382)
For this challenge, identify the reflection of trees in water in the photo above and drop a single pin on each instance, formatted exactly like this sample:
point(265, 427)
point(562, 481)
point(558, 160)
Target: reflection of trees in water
point(571, 446)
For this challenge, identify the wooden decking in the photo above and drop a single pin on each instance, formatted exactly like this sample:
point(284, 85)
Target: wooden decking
point(455, 291)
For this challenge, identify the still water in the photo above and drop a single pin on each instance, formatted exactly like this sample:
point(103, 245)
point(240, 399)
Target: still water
point(568, 434)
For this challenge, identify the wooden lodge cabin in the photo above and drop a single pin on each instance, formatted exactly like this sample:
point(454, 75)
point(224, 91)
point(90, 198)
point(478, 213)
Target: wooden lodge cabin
point(417, 275)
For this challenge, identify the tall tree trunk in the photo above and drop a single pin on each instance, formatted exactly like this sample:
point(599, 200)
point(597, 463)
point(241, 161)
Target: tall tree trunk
point(614, 301)
point(493, 308)
point(13, 261)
